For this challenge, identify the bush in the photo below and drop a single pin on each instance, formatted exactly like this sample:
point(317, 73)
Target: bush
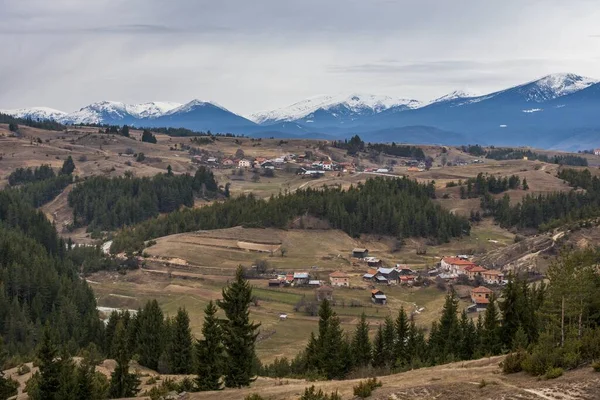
point(364, 389)
point(312, 394)
point(513, 363)
point(553, 373)
point(596, 366)
point(23, 369)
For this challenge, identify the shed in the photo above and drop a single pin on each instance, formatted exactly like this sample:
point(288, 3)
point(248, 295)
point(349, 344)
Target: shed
point(360, 253)
point(378, 297)
point(274, 283)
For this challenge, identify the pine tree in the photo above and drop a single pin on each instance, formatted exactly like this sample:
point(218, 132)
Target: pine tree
point(239, 334)
point(151, 335)
point(389, 341)
point(361, 344)
point(68, 166)
point(8, 387)
point(50, 367)
point(209, 352)
point(401, 355)
point(122, 383)
point(125, 131)
point(379, 349)
point(180, 350)
point(525, 185)
point(468, 337)
point(491, 329)
point(334, 354)
point(512, 311)
point(68, 378)
point(520, 340)
point(448, 330)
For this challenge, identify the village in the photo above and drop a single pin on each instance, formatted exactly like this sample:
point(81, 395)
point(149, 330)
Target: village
point(450, 271)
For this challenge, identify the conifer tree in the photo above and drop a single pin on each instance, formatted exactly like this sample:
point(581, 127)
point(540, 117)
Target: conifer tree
point(361, 344)
point(334, 353)
point(239, 334)
point(122, 382)
point(8, 387)
point(479, 347)
point(180, 350)
point(151, 335)
point(401, 355)
point(491, 329)
point(50, 367)
point(389, 341)
point(68, 166)
point(209, 352)
point(512, 311)
point(379, 349)
point(468, 337)
point(68, 378)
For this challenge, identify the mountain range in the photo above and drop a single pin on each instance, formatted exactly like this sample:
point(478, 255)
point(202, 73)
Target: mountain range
point(560, 111)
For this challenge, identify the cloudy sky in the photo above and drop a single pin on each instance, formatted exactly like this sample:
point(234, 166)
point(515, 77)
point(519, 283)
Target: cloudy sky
point(264, 54)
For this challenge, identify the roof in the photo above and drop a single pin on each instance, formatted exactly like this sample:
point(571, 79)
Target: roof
point(482, 289)
point(301, 275)
point(381, 278)
point(493, 272)
point(338, 274)
point(375, 291)
point(457, 261)
point(407, 278)
point(315, 282)
point(368, 276)
point(358, 250)
point(385, 271)
point(380, 296)
point(477, 268)
point(372, 271)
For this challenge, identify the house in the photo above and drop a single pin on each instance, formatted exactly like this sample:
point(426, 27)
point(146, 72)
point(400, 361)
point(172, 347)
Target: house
point(405, 271)
point(244, 163)
point(492, 277)
point(381, 279)
point(407, 279)
point(289, 278)
point(481, 297)
point(383, 170)
point(267, 165)
point(370, 274)
point(274, 283)
point(339, 278)
point(324, 293)
point(597, 152)
point(211, 160)
point(227, 162)
point(378, 297)
point(456, 265)
point(327, 165)
point(360, 253)
point(473, 272)
point(390, 274)
point(373, 262)
point(314, 283)
point(301, 278)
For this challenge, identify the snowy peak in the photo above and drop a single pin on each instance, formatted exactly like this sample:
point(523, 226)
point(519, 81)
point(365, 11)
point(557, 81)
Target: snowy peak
point(115, 111)
point(151, 110)
point(456, 95)
point(553, 86)
point(36, 113)
point(193, 105)
point(354, 103)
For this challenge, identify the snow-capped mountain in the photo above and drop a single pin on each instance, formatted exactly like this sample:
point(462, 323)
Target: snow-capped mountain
point(107, 112)
point(354, 105)
point(456, 95)
point(36, 113)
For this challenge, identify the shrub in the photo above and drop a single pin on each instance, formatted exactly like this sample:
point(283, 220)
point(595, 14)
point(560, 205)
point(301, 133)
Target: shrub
point(364, 389)
point(513, 363)
point(312, 394)
point(553, 373)
point(152, 380)
point(23, 369)
point(596, 366)
point(482, 384)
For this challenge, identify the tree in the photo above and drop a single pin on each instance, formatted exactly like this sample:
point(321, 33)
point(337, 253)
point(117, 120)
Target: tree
point(401, 355)
point(150, 335)
point(468, 337)
point(361, 344)
point(122, 383)
point(525, 185)
point(389, 341)
point(239, 334)
point(68, 166)
point(50, 367)
point(210, 352)
point(169, 170)
point(8, 387)
point(13, 127)
point(180, 351)
point(239, 153)
point(125, 131)
point(492, 343)
point(148, 137)
point(378, 349)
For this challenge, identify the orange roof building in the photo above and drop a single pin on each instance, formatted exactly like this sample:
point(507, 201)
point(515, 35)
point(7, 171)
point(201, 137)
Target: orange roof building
point(339, 279)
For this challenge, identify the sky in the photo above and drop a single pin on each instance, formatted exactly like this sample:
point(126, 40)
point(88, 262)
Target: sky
point(265, 54)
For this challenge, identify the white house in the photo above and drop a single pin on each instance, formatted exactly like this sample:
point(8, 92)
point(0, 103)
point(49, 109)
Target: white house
point(327, 165)
point(244, 163)
point(597, 152)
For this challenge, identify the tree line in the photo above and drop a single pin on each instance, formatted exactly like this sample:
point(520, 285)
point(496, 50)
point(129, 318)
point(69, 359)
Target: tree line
point(397, 207)
point(519, 154)
point(104, 203)
point(223, 357)
point(356, 145)
point(546, 211)
point(483, 184)
point(40, 124)
point(542, 327)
